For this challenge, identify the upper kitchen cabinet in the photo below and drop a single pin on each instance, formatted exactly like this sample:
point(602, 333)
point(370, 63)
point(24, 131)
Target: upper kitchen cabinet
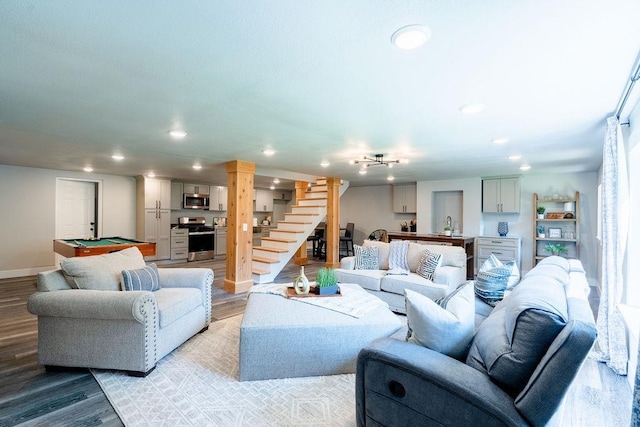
point(501, 195)
point(176, 195)
point(196, 188)
point(264, 201)
point(218, 198)
point(404, 198)
point(156, 192)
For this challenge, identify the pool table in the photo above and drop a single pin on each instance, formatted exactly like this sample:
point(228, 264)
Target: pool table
point(82, 247)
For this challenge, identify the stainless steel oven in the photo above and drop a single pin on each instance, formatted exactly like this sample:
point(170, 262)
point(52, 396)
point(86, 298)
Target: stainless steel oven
point(201, 241)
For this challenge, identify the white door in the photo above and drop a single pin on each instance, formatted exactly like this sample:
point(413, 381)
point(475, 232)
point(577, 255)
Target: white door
point(75, 209)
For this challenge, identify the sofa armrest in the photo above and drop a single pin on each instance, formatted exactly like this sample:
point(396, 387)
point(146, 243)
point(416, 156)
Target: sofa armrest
point(89, 304)
point(201, 278)
point(399, 383)
point(348, 263)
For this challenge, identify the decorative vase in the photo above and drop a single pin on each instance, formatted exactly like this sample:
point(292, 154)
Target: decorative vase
point(540, 216)
point(301, 284)
point(503, 228)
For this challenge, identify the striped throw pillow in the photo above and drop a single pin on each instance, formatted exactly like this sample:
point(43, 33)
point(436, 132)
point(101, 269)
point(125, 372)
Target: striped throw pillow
point(143, 279)
point(491, 284)
point(366, 257)
point(429, 261)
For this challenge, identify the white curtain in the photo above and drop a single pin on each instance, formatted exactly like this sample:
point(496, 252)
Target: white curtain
point(611, 346)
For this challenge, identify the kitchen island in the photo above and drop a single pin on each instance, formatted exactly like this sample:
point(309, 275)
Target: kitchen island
point(466, 242)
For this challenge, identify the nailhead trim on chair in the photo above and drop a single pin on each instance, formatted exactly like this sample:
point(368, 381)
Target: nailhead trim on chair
point(147, 308)
point(208, 283)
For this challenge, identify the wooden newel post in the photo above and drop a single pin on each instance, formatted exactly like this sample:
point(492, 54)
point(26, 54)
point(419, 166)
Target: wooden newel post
point(301, 255)
point(333, 222)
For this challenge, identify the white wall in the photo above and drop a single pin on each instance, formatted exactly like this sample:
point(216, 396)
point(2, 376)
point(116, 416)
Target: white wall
point(27, 215)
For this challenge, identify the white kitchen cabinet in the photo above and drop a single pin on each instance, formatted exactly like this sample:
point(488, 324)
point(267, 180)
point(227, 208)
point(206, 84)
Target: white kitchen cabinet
point(264, 201)
point(504, 248)
point(176, 195)
point(179, 243)
point(196, 188)
point(221, 241)
point(218, 198)
point(157, 226)
point(501, 195)
point(153, 214)
point(404, 198)
point(156, 193)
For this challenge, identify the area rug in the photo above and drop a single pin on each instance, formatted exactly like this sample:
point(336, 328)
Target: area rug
point(197, 385)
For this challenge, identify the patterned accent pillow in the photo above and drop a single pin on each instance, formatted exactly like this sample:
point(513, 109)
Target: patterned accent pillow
point(491, 284)
point(143, 279)
point(493, 262)
point(398, 263)
point(429, 261)
point(366, 257)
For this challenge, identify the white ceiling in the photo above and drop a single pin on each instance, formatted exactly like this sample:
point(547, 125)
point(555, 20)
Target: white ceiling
point(314, 80)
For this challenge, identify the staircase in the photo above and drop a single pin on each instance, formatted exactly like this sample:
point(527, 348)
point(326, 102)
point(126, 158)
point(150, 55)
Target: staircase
point(283, 242)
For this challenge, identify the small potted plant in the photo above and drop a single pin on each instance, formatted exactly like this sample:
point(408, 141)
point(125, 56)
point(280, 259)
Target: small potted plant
point(412, 225)
point(326, 281)
point(540, 230)
point(556, 248)
point(404, 226)
point(447, 230)
point(540, 211)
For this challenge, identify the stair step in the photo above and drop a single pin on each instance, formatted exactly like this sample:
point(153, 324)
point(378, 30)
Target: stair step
point(307, 214)
point(283, 230)
point(259, 271)
point(278, 240)
point(294, 222)
point(268, 249)
point(265, 260)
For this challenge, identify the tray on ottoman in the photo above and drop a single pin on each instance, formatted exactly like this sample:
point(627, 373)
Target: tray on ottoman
point(287, 338)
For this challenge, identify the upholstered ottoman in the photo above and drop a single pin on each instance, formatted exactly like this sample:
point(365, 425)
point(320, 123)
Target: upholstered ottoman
point(285, 338)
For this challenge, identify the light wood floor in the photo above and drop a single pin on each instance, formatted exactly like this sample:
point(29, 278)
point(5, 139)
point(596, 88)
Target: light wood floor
point(30, 396)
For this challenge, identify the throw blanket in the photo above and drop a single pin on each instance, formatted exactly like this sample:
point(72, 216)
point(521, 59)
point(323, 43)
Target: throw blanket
point(354, 302)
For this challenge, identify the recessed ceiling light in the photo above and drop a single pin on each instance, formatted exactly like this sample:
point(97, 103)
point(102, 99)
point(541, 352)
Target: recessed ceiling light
point(362, 171)
point(471, 108)
point(117, 157)
point(276, 181)
point(515, 157)
point(177, 133)
point(411, 37)
point(390, 178)
point(273, 187)
point(525, 167)
point(197, 167)
point(325, 164)
point(88, 169)
point(268, 151)
point(151, 175)
point(500, 140)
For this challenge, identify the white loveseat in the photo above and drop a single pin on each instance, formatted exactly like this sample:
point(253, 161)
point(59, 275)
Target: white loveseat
point(390, 288)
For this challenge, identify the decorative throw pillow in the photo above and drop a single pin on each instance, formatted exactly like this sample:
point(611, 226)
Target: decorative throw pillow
point(491, 284)
point(398, 263)
point(493, 262)
point(143, 279)
point(429, 261)
point(366, 257)
point(446, 328)
point(101, 272)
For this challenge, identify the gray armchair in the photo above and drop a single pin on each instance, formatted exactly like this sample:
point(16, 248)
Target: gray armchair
point(123, 330)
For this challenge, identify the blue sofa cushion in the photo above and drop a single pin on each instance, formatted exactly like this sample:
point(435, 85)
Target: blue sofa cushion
point(510, 343)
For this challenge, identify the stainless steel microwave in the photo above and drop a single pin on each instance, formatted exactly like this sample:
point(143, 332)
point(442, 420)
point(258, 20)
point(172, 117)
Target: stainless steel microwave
point(195, 201)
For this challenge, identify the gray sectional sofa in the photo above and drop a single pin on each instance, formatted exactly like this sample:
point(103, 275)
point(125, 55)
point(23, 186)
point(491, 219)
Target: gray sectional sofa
point(521, 361)
point(85, 320)
point(390, 288)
